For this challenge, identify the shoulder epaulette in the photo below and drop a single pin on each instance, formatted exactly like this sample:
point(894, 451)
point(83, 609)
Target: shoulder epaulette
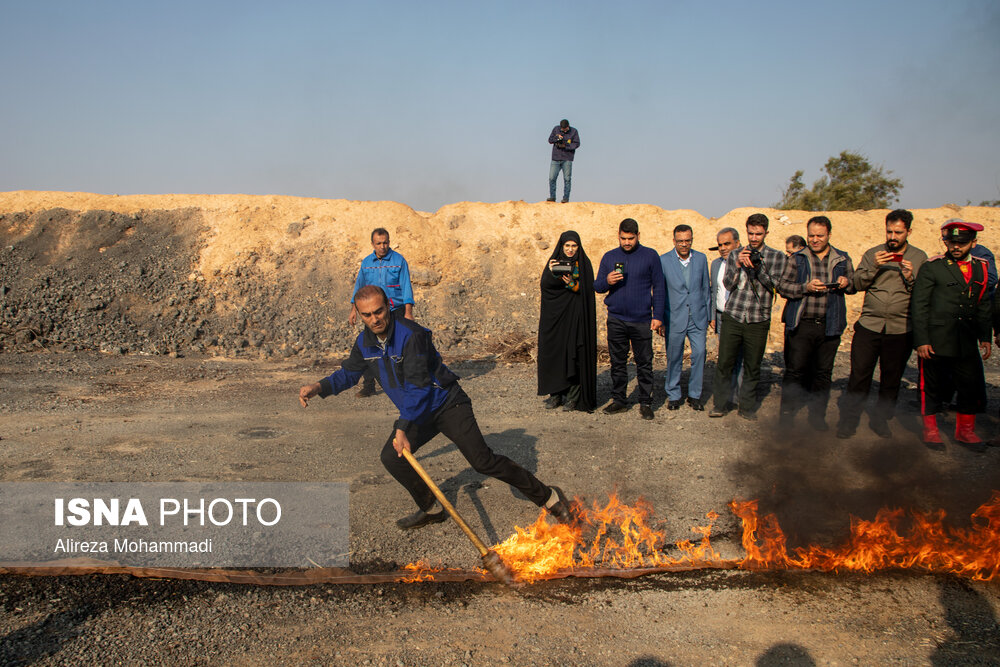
point(931, 259)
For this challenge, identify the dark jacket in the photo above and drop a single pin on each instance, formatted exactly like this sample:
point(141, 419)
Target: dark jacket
point(836, 307)
point(409, 368)
point(950, 314)
point(563, 149)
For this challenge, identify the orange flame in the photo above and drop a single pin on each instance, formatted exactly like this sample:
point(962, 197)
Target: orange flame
point(930, 544)
point(618, 536)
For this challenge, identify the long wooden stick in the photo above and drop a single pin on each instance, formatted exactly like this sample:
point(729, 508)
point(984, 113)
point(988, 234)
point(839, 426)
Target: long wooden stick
point(444, 502)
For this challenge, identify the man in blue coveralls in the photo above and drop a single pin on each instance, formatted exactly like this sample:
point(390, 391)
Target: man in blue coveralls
point(387, 269)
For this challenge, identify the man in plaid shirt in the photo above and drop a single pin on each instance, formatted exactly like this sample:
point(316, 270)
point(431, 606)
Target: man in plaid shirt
point(752, 274)
point(815, 281)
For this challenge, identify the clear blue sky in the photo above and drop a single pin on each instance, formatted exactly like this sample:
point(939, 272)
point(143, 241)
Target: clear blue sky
point(698, 105)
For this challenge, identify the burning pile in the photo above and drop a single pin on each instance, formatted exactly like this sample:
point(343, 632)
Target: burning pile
point(617, 538)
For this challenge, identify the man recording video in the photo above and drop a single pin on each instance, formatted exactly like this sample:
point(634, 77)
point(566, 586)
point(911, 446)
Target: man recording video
point(751, 276)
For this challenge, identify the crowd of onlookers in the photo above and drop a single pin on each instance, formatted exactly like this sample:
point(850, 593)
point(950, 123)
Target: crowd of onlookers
point(941, 307)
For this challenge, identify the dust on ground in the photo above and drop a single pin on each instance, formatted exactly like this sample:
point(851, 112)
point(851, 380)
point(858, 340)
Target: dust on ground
point(98, 417)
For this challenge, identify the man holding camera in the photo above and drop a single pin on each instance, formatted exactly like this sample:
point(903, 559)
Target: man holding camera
point(751, 276)
point(815, 281)
point(883, 334)
point(632, 276)
point(565, 140)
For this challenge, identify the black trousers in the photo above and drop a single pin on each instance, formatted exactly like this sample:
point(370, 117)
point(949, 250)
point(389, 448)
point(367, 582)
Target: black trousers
point(968, 379)
point(369, 375)
point(809, 373)
point(751, 339)
point(890, 352)
point(638, 335)
point(458, 424)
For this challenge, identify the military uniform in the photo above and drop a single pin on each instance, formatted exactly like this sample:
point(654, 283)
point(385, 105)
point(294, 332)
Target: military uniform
point(951, 312)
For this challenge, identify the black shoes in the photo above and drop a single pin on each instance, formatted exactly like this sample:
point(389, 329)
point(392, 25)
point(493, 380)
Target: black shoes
point(749, 416)
point(569, 406)
point(420, 518)
point(818, 423)
point(645, 411)
point(553, 401)
point(551, 199)
point(675, 405)
point(844, 432)
point(365, 392)
point(616, 407)
point(696, 404)
point(565, 201)
point(561, 511)
point(880, 427)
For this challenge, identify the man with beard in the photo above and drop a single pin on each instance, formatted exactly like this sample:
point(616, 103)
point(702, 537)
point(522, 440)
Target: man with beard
point(883, 334)
point(951, 330)
point(751, 275)
point(814, 282)
point(430, 401)
point(632, 277)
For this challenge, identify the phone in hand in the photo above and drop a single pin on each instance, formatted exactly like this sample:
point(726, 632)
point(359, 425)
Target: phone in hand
point(831, 285)
point(620, 267)
point(896, 257)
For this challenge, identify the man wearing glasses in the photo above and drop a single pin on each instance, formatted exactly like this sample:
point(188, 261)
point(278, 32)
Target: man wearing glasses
point(686, 316)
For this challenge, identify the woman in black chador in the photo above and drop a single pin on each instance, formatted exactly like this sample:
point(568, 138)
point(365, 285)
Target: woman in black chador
point(567, 329)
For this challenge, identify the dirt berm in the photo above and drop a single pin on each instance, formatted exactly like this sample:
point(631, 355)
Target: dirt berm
point(264, 276)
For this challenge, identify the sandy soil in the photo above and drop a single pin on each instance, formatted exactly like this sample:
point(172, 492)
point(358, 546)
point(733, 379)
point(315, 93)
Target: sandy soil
point(97, 417)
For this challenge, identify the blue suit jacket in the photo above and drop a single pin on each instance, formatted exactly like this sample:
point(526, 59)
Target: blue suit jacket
point(686, 304)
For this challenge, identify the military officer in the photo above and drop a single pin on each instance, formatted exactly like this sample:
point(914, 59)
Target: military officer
point(951, 313)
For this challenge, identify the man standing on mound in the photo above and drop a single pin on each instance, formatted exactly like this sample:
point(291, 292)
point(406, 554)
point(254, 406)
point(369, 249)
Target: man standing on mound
point(430, 401)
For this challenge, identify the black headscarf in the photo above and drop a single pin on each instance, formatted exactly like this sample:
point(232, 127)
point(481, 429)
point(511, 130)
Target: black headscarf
point(567, 329)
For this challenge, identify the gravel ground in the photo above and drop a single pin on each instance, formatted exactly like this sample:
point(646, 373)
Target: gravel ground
point(92, 417)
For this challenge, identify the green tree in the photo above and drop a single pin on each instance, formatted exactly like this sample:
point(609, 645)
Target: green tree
point(850, 182)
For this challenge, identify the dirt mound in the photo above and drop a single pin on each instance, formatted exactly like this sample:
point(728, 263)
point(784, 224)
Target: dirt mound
point(269, 276)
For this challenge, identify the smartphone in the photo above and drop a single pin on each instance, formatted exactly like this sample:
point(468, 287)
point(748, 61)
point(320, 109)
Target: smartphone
point(896, 257)
point(620, 267)
point(831, 285)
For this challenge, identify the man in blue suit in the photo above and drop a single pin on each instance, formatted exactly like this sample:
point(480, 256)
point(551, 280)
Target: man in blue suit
point(687, 313)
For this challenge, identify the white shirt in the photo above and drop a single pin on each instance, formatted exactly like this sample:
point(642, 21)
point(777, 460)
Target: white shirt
point(721, 293)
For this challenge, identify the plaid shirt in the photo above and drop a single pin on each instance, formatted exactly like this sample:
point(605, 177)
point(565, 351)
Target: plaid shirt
point(751, 291)
point(813, 303)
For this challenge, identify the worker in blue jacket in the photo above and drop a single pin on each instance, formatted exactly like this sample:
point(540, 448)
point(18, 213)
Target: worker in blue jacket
point(430, 401)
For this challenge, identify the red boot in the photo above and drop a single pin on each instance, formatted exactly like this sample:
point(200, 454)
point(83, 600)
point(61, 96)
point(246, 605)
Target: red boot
point(965, 429)
point(931, 433)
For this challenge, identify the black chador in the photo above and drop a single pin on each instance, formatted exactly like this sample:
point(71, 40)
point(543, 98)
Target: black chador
point(567, 330)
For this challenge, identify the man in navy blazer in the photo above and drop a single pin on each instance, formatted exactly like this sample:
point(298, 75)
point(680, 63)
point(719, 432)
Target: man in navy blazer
point(686, 316)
